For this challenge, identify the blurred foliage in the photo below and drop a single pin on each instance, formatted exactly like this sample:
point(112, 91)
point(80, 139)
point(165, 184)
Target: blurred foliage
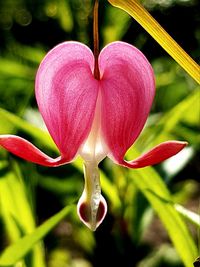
point(132, 233)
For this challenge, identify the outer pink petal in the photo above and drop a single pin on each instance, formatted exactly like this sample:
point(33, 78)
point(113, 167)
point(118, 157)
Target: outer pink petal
point(25, 150)
point(66, 92)
point(127, 88)
point(156, 155)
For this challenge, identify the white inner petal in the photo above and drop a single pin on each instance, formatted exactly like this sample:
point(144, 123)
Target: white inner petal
point(92, 206)
point(93, 151)
point(94, 148)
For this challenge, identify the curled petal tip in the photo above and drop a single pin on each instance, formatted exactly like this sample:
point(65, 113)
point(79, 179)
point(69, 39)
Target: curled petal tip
point(184, 143)
point(25, 150)
point(156, 155)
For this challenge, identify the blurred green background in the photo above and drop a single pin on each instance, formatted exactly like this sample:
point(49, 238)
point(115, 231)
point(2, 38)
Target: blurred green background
point(132, 233)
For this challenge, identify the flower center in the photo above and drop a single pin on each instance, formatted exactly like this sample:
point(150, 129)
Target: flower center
point(94, 149)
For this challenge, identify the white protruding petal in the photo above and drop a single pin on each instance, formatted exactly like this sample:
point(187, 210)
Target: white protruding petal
point(92, 206)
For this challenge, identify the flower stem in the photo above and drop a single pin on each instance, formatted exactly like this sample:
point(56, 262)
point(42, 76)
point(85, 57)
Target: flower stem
point(96, 40)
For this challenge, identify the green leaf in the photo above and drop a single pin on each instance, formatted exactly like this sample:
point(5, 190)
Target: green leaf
point(169, 121)
point(17, 251)
point(14, 202)
point(117, 23)
point(65, 15)
point(13, 68)
point(154, 189)
point(16, 211)
point(189, 215)
point(28, 128)
point(176, 114)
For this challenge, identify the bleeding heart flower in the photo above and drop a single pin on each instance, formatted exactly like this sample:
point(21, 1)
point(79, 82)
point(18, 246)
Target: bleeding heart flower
point(93, 118)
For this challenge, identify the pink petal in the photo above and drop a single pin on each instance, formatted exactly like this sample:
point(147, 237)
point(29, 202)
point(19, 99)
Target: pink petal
point(127, 88)
point(25, 150)
point(156, 155)
point(66, 92)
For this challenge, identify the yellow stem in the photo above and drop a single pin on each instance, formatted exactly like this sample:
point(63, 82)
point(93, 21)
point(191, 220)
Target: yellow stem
point(142, 16)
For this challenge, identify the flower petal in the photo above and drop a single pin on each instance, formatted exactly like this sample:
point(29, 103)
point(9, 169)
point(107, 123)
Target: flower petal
point(25, 150)
point(156, 155)
point(66, 92)
point(92, 207)
point(127, 88)
point(84, 213)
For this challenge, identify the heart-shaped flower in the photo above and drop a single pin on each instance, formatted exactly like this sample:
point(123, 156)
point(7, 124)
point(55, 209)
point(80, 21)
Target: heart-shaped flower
point(93, 118)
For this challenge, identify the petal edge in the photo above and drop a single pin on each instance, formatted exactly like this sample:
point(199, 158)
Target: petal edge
point(156, 155)
point(26, 150)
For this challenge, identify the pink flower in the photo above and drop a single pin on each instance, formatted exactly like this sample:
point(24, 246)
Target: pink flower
point(93, 118)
